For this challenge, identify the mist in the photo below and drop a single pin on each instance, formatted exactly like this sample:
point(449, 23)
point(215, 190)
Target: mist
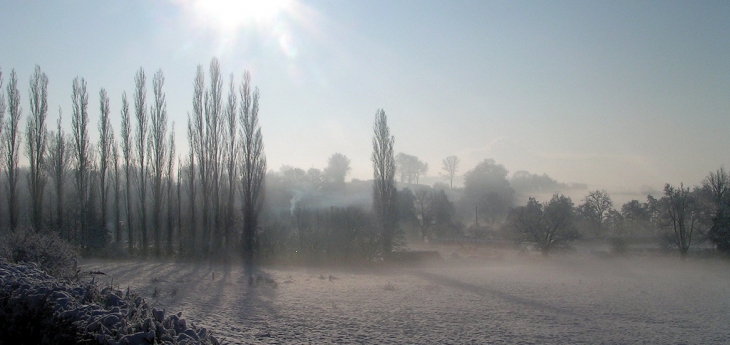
point(192, 171)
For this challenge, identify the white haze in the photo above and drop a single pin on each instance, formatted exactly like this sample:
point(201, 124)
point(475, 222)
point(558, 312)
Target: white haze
point(484, 296)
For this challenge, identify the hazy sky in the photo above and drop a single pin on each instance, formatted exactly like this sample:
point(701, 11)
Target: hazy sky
point(614, 94)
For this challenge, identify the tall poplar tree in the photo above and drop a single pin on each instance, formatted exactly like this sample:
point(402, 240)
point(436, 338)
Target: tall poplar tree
point(140, 112)
point(385, 196)
point(36, 142)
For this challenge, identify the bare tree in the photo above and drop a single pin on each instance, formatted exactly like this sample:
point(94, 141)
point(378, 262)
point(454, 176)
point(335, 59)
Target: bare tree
point(546, 225)
point(58, 163)
point(140, 109)
point(170, 190)
point(178, 200)
point(253, 170)
point(79, 125)
point(595, 209)
point(158, 149)
point(232, 153)
point(2, 109)
point(192, 195)
point(213, 107)
point(385, 196)
point(450, 165)
point(683, 215)
point(424, 200)
point(105, 144)
point(410, 167)
point(11, 142)
point(36, 140)
point(117, 213)
point(717, 187)
point(128, 172)
point(421, 170)
point(200, 140)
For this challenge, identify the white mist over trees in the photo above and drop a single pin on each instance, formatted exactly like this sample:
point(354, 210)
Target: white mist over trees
point(486, 187)
point(450, 166)
point(410, 168)
point(217, 200)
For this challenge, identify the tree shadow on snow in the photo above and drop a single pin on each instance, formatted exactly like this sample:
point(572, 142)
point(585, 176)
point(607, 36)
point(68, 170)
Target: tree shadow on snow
point(489, 292)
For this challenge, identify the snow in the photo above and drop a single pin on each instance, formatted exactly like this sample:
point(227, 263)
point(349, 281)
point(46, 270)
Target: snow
point(513, 299)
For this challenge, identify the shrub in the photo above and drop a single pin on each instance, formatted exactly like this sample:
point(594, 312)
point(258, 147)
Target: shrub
point(52, 254)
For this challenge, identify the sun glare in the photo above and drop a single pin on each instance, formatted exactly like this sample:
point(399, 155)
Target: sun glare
point(234, 14)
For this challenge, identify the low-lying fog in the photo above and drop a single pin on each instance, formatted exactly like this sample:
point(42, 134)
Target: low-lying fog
point(478, 295)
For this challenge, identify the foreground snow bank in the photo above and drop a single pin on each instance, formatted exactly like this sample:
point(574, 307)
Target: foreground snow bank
point(36, 308)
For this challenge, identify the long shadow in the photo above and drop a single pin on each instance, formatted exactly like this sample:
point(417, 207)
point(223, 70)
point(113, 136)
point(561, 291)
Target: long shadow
point(232, 298)
point(488, 292)
point(121, 271)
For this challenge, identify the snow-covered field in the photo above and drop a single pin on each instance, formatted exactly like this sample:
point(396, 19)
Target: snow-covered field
point(512, 299)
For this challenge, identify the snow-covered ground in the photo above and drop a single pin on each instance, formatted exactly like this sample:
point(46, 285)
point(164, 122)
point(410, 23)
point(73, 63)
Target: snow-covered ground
point(511, 299)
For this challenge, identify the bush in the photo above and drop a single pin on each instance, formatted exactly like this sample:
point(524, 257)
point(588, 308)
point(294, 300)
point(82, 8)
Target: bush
point(36, 308)
point(55, 256)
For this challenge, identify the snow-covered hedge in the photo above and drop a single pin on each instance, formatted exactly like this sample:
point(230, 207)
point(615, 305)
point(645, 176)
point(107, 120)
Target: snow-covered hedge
point(36, 308)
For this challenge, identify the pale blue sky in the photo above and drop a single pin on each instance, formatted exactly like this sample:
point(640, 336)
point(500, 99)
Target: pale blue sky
point(615, 94)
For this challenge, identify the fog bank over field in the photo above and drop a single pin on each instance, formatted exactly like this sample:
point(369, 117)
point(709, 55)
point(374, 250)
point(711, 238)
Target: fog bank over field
point(486, 296)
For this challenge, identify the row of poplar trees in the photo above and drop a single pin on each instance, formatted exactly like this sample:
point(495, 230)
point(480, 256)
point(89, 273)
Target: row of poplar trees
point(192, 205)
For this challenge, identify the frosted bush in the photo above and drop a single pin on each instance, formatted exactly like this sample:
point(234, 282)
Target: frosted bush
point(52, 254)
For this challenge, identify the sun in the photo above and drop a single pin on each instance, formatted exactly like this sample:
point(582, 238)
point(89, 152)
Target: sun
point(236, 14)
